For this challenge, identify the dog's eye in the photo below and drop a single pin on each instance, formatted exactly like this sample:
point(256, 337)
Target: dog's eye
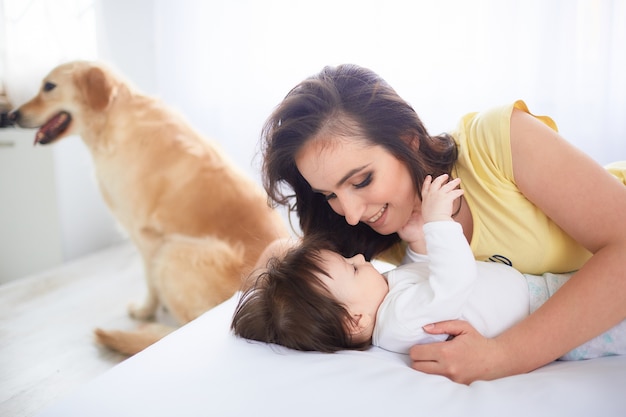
point(48, 86)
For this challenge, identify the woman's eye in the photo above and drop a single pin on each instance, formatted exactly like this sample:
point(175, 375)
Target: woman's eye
point(330, 196)
point(367, 181)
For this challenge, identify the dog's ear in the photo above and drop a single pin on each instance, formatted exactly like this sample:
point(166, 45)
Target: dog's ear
point(96, 88)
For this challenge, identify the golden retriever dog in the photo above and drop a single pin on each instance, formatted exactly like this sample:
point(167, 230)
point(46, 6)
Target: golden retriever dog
point(198, 222)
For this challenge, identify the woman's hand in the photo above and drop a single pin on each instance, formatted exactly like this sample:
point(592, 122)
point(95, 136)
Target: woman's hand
point(466, 358)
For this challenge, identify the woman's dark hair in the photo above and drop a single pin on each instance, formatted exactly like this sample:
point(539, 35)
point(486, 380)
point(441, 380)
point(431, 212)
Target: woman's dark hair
point(336, 100)
point(289, 305)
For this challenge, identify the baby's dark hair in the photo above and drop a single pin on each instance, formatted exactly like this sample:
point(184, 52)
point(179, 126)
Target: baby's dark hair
point(288, 304)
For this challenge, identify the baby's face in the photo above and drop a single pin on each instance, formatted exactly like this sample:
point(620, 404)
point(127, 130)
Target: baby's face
point(355, 283)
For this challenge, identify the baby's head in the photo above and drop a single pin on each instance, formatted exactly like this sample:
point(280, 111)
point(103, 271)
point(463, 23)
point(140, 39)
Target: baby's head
point(291, 303)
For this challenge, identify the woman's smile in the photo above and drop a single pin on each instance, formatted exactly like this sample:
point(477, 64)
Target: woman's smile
point(372, 220)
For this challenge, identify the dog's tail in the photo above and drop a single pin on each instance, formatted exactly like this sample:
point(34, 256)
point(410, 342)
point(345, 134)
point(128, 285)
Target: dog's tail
point(131, 342)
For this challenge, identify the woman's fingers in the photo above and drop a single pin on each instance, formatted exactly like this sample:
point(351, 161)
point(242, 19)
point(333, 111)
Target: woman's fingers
point(464, 359)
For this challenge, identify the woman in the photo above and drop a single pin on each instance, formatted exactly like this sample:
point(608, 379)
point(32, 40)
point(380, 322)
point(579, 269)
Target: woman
point(354, 155)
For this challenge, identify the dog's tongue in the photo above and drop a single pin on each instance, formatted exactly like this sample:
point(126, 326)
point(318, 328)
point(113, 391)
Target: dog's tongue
point(53, 128)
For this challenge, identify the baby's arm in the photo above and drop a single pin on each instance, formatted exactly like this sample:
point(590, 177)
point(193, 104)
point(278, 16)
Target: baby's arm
point(437, 204)
point(413, 233)
point(427, 292)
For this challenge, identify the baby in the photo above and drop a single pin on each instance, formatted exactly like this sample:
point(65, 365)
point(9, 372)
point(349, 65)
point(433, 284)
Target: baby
point(312, 298)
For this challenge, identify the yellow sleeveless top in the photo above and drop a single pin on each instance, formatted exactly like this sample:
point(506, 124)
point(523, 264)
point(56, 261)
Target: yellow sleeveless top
point(507, 227)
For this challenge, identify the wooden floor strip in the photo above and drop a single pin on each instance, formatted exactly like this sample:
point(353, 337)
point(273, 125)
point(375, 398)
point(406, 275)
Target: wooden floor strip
point(46, 327)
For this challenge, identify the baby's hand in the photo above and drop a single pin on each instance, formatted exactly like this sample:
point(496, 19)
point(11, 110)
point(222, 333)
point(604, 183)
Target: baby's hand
point(438, 198)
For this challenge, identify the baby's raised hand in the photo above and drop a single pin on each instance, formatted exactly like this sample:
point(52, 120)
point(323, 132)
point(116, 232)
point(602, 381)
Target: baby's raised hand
point(438, 197)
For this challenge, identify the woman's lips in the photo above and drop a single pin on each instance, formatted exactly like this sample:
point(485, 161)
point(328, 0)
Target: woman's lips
point(378, 215)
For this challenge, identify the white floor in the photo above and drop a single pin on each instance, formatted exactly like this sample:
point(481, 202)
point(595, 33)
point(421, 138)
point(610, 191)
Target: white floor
point(46, 327)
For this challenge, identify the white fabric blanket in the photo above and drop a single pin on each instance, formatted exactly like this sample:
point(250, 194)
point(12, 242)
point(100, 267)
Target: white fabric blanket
point(203, 370)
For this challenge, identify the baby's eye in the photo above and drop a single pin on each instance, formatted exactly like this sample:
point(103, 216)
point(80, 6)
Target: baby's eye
point(367, 181)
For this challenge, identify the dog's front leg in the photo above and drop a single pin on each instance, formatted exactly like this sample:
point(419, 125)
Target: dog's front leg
point(147, 309)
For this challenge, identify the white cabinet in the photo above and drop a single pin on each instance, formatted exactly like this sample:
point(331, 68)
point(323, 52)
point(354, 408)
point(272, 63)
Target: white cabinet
point(30, 233)
point(51, 210)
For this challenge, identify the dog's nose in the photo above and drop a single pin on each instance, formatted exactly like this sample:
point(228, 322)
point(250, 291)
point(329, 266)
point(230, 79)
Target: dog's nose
point(8, 119)
point(14, 116)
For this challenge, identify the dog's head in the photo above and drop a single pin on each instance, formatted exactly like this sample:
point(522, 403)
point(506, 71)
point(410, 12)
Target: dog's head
point(69, 94)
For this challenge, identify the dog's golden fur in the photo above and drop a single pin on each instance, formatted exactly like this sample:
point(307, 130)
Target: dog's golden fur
point(198, 222)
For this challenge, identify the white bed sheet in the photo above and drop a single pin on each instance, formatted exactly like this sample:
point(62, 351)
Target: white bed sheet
point(203, 370)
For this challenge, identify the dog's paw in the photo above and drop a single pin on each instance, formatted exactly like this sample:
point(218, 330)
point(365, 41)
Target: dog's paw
point(141, 311)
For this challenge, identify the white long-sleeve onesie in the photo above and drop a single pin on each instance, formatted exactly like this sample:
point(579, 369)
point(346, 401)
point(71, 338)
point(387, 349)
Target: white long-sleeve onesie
point(449, 284)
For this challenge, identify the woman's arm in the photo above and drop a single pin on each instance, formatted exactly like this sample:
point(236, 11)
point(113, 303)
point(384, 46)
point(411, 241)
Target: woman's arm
point(590, 205)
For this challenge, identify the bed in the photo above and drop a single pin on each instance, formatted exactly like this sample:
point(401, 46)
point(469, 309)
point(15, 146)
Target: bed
point(204, 370)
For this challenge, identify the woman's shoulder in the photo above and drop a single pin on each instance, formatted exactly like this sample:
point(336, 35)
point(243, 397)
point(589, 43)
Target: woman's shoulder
point(494, 123)
point(484, 138)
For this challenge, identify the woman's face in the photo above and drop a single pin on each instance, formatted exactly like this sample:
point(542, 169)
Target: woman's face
point(362, 182)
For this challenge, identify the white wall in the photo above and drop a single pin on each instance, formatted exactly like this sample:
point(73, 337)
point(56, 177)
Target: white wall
point(227, 63)
point(126, 33)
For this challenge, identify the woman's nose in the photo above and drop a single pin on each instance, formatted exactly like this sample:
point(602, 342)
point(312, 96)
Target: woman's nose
point(352, 210)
